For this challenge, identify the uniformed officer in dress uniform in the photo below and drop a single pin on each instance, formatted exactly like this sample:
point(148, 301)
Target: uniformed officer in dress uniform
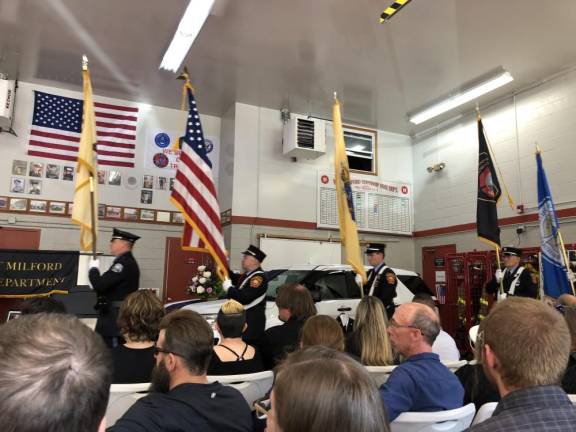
point(516, 280)
point(114, 285)
point(381, 278)
point(249, 288)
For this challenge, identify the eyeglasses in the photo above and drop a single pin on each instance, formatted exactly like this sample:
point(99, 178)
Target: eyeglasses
point(158, 350)
point(392, 323)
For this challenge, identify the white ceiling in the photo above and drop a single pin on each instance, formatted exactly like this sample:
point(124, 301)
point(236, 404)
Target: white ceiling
point(291, 53)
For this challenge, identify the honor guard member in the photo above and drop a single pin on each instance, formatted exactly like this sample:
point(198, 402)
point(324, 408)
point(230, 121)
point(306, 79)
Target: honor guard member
point(249, 288)
point(516, 280)
point(114, 285)
point(381, 278)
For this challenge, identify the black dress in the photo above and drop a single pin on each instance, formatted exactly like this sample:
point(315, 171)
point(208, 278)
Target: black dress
point(132, 365)
point(477, 389)
point(279, 341)
point(240, 366)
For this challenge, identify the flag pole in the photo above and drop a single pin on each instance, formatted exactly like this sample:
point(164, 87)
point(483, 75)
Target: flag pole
point(92, 194)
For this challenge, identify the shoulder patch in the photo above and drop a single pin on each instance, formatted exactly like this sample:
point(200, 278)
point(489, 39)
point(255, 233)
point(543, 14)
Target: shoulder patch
point(117, 268)
point(256, 281)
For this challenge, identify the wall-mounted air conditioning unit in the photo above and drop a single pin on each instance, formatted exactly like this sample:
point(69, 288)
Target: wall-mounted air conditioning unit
point(304, 137)
point(7, 99)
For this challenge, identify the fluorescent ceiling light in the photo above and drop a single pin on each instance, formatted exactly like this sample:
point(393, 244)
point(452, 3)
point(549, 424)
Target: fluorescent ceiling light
point(474, 91)
point(189, 27)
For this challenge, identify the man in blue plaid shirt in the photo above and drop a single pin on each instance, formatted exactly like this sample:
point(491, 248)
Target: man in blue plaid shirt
point(524, 347)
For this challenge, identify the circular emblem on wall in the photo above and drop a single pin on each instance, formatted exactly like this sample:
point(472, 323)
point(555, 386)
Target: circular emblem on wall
point(162, 140)
point(131, 182)
point(209, 145)
point(404, 189)
point(160, 160)
point(324, 179)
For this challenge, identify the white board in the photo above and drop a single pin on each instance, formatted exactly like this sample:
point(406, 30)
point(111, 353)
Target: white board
point(283, 253)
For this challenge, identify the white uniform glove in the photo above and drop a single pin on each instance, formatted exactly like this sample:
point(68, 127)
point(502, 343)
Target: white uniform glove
point(358, 280)
point(226, 284)
point(571, 276)
point(499, 275)
point(94, 263)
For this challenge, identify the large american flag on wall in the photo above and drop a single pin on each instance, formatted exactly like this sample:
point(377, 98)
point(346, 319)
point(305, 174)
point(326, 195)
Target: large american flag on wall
point(57, 123)
point(195, 195)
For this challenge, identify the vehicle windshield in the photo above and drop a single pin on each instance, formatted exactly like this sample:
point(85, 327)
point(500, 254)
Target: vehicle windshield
point(287, 276)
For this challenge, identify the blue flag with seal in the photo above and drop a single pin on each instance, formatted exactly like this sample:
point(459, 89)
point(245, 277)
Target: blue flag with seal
point(554, 276)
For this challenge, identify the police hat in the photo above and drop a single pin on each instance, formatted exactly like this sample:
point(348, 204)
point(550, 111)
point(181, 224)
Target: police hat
point(124, 235)
point(255, 252)
point(510, 250)
point(375, 247)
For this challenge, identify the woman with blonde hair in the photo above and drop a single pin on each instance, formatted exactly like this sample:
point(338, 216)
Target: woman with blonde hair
point(322, 330)
point(139, 323)
point(233, 356)
point(369, 340)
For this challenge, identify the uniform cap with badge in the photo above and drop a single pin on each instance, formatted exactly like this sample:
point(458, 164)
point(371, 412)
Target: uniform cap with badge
point(255, 252)
point(118, 234)
point(375, 248)
point(512, 251)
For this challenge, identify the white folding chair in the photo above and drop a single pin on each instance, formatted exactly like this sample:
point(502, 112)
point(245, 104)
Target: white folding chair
point(455, 420)
point(122, 397)
point(572, 398)
point(90, 322)
point(380, 374)
point(252, 386)
point(455, 365)
point(485, 412)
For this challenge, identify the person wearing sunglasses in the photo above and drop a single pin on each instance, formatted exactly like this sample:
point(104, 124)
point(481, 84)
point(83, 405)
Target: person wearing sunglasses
point(421, 382)
point(181, 397)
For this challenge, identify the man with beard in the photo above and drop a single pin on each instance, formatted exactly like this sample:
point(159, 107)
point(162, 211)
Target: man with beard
point(181, 398)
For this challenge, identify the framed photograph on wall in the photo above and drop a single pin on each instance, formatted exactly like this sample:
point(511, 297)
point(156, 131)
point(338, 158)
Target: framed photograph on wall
point(147, 215)
point(68, 173)
point(177, 218)
point(18, 204)
point(57, 207)
point(38, 206)
point(70, 208)
point(101, 177)
point(17, 184)
point(163, 216)
point(36, 169)
point(101, 210)
point(114, 212)
point(130, 214)
point(53, 171)
point(3, 203)
point(114, 178)
point(171, 185)
point(148, 182)
point(19, 167)
point(161, 183)
point(146, 196)
point(35, 187)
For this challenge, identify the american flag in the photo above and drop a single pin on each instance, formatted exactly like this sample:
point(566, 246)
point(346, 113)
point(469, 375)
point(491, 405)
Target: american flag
point(56, 126)
point(195, 195)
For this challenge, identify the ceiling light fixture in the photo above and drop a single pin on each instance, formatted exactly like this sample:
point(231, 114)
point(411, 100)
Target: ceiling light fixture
point(467, 93)
point(190, 25)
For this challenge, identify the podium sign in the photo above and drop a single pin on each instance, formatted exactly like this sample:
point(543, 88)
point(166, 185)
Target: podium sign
point(29, 273)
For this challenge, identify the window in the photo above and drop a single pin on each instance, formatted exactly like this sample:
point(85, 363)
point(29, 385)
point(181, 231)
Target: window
point(415, 284)
point(331, 286)
point(277, 278)
point(361, 149)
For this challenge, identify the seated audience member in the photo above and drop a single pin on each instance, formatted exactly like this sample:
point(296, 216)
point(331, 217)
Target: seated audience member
point(181, 398)
point(369, 340)
point(569, 380)
point(567, 300)
point(319, 389)
point(55, 375)
point(524, 353)
point(422, 382)
point(42, 305)
point(295, 306)
point(444, 345)
point(322, 330)
point(139, 321)
point(477, 388)
point(233, 356)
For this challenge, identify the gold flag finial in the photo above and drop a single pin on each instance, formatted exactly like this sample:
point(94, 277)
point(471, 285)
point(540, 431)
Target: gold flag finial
point(538, 149)
point(84, 62)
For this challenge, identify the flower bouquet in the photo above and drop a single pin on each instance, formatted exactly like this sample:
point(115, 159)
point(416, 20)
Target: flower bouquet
point(204, 284)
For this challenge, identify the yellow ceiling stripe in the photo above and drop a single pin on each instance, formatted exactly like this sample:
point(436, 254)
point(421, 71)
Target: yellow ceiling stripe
point(393, 9)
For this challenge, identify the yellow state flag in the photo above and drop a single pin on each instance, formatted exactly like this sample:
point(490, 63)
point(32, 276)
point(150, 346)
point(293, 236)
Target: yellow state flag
point(85, 202)
point(348, 228)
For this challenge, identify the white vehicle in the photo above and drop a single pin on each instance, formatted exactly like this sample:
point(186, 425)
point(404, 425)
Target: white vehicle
point(333, 288)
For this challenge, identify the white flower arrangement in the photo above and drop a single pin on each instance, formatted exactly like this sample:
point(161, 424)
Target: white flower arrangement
point(204, 285)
